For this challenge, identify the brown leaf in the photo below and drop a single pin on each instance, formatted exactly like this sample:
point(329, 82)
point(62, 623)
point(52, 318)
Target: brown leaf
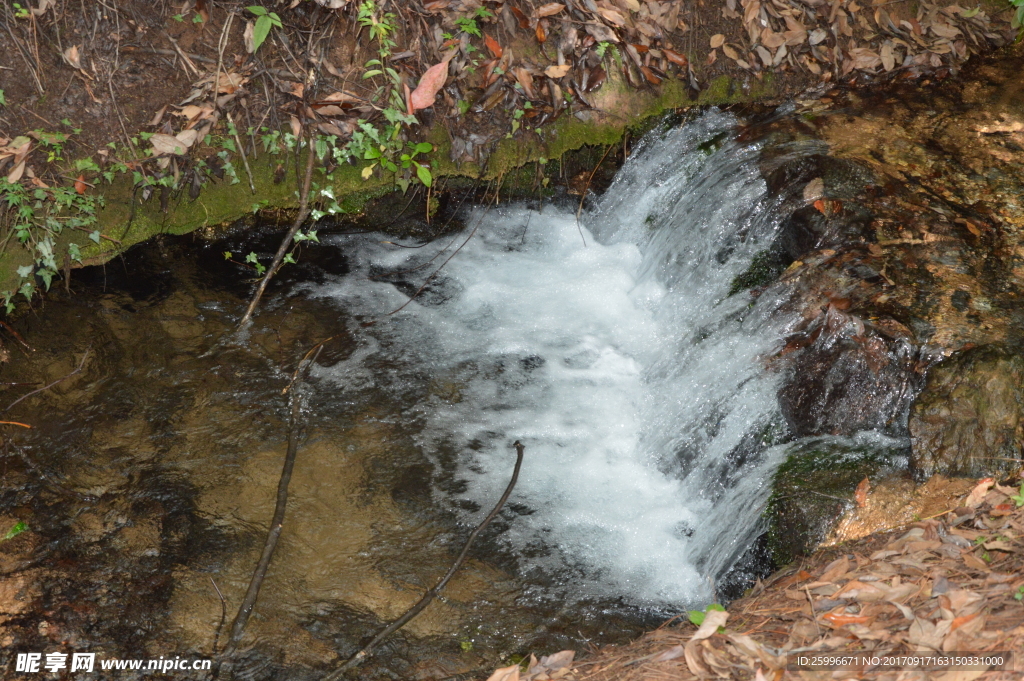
point(612, 16)
point(505, 674)
point(675, 57)
point(835, 570)
point(977, 494)
point(72, 57)
point(16, 172)
point(525, 80)
point(247, 39)
point(541, 32)
point(430, 84)
point(712, 620)
point(730, 52)
point(841, 618)
point(523, 21)
point(80, 184)
point(860, 495)
point(650, 75)
point(493, 47)
point(548, 10)
point(717, 40)
point(558, 71)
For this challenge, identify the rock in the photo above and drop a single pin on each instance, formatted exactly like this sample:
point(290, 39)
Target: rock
point(816, 484)
point(849, 377)
point(969, 420)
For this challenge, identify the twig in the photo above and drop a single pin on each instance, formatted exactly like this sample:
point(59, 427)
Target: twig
point(273, 535)
point(432, 593)
point(241, 150)
point(299, 219)
point(223, 614)
point(49, 385)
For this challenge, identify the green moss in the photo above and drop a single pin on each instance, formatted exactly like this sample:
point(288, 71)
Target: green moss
point(764, 269)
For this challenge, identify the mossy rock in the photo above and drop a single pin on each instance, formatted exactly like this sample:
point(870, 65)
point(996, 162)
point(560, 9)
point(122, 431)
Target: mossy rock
point(815, 486)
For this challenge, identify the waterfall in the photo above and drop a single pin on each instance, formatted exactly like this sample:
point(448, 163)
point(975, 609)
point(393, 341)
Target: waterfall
point(612, 349)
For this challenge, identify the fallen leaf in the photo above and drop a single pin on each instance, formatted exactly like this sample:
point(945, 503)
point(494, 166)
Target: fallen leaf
point(860, 495)
point(675, 57)
point(670, 654)
point(80, 184)
point(16, 173)
point(548, 10)
point(525, 80)
point(250, 44)
point(840, 618)
point(72, 57)
point(559, 660)
point(493, 46)
point(730, 52)
point(168, 144)
point(430, 84)
point(977, 494)
point(505, 674)
point(712, 620)
point(612, 16)
point(557, 71)
point(717, 40)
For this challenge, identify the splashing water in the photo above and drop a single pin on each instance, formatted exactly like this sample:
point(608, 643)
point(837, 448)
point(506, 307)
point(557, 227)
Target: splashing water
point(638, 385)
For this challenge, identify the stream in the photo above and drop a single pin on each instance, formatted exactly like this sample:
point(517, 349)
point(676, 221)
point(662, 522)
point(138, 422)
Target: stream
point(615, 347)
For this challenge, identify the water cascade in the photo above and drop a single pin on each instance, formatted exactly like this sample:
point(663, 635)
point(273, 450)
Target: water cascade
point(613, 350)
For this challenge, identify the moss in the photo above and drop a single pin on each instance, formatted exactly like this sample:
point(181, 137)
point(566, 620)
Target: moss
point(764, 269)
point(815, 485)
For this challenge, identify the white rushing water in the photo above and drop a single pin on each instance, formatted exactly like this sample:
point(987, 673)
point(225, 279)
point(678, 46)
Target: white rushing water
point(638, 386)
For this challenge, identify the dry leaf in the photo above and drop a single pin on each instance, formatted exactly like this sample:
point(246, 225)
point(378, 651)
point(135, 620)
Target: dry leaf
point(559, 660)
point(730, 52)
point(80, 184)
point(72, 57)
point(670, 654)
point(612, 16)
point(505, 674)
point(675, 57)
point(712, 620)
point(977, 494)
point(525, 80)
point(16, 172)
point(493, 47)
point(717, 40)
point(167, 144)
point(557, 71)
point(430, 84)
point(860, 495)
point(250, 45)
point(548, 10)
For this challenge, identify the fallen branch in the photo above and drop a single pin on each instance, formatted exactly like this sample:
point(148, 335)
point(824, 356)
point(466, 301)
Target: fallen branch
point(49, 385)
point(270, 545)
point(283, 249)
point(358, 658)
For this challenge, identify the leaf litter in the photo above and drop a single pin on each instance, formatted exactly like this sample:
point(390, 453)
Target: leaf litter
point(952, 583)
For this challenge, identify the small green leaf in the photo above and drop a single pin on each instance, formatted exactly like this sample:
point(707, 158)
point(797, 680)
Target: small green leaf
point(423, 172)
point(95, 236)
point(288, 259)
point(3, 100)
point(24, 271)
point(257, 10)
point(696, 616)
point(19, 527)
point(227, 255)
point(261, 30)
point(424, 148)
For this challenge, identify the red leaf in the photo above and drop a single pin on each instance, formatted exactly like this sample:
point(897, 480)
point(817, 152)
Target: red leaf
point(675, 57)
point(840, 619)
point(523, 21)
point(542, 35)
point(493, 46)
point(860, 495)
point(80, 184)
point(430, 84)
point(650, 75)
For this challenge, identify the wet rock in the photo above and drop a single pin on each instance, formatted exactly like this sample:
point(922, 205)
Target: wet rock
point(816, 484)
point(969, 420)
point(848, 377)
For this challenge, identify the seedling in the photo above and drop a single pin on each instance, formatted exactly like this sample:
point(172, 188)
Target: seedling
point(264, 22)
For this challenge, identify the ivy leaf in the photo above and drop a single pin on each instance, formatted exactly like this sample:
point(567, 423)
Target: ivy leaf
point(95, 236)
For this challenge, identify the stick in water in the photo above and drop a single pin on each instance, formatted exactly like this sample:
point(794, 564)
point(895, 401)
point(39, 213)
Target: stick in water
point(432, 593)
point(273, 535)
point(283, 248)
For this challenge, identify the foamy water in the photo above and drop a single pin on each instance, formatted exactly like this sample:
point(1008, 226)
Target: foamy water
point(637, 385)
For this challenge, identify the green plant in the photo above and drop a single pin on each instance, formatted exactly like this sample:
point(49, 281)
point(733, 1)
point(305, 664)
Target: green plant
point(1018, 498)
point(1019, 595)
point(264, 22)
point(19, 527)
point(3, 100)
point(21, 12)
point(1018, 17)
point(697, 617)
point(469, 25)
